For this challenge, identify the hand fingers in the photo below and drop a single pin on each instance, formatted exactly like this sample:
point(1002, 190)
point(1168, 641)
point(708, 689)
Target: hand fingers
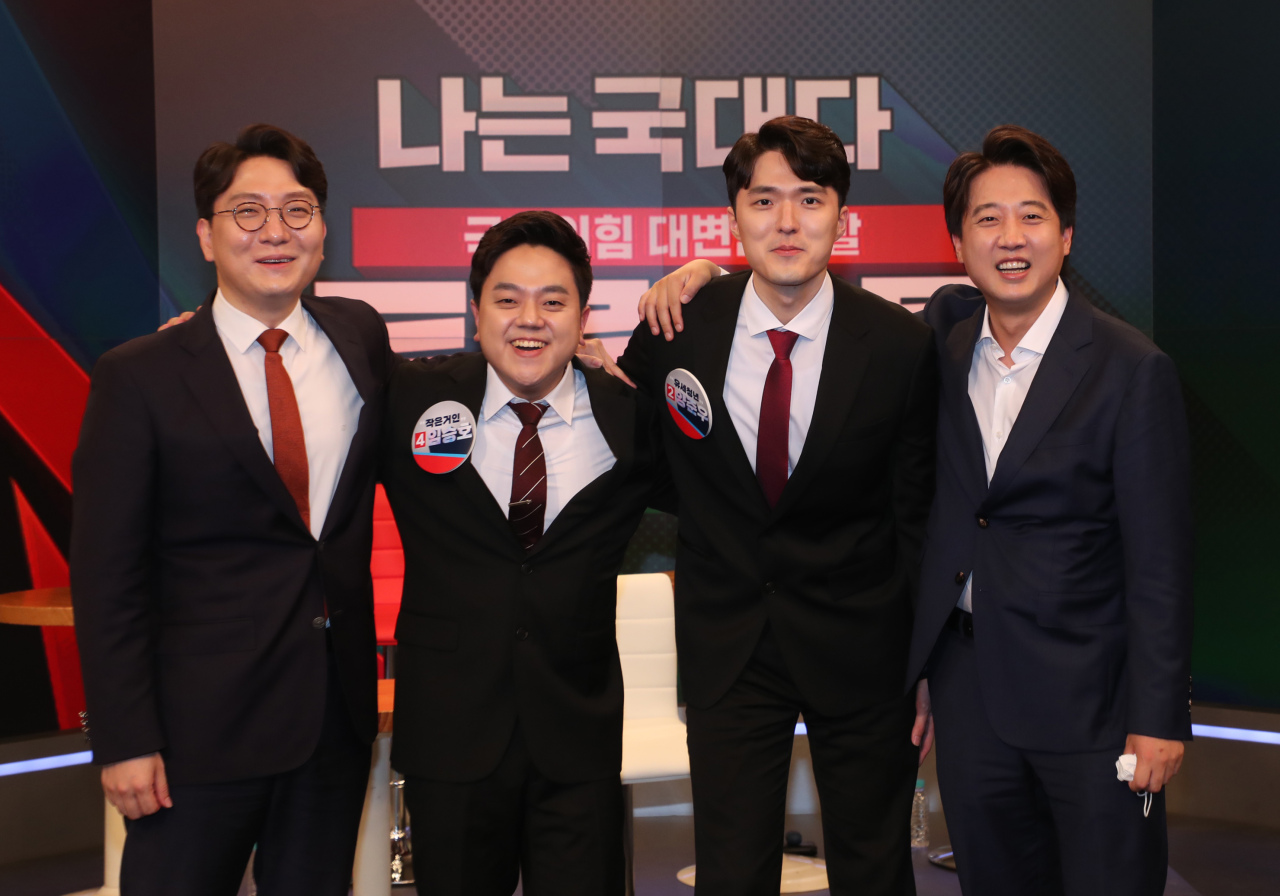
point(648, 309)
point(589, 360)
point(162, 787)
point(928, 740)
point(611, 367)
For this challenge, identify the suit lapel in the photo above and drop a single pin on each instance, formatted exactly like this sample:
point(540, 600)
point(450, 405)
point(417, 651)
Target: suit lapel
point(956, 361)
point(615, 414)
point(711, 364)
point(469, 384)
point(360, 454)
point(844, 364)
point(1063, 366)
point(213, 384)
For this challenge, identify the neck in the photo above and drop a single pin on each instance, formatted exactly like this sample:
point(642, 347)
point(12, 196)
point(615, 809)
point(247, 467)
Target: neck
point(1010, 324)
point(785, 301)
point(269, 314)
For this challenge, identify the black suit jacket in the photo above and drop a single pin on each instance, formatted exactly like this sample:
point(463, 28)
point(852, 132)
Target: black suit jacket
point(1080, 548)
point(830, 568)
point(490, 635)
point(195, 582)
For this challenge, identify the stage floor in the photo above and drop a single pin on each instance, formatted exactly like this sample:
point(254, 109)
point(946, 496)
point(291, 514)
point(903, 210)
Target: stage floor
point(1208, 858)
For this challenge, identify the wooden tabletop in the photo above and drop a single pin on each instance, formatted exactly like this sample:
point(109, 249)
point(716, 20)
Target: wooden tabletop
point(43, 606)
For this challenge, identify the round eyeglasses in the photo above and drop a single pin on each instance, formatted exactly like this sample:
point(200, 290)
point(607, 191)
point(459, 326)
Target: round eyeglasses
point(253, 216)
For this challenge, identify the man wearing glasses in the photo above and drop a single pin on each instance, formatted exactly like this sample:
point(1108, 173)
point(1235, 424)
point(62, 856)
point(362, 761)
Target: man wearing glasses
point(220, 551)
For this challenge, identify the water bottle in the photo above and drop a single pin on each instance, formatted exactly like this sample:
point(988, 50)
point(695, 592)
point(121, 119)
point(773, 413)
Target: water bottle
point(919, 817)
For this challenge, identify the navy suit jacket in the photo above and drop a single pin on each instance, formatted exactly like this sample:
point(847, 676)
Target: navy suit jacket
point(1080, 547)
point(195, 582)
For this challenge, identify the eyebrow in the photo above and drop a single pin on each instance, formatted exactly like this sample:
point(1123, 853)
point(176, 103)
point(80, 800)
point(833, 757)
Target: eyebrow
point(259, 197)
point(804, 188)
point(515, 287)
point(1023, 204)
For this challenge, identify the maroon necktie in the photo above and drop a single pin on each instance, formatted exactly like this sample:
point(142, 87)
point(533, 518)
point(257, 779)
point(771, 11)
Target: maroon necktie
point(528, 505)
point(775, 418)
point(288, 444)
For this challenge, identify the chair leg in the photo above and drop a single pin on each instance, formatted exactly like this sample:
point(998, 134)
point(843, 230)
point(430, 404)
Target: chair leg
point(628, 839)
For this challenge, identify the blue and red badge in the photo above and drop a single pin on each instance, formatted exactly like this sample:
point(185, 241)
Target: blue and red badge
point(444, 436)
point(688, 403)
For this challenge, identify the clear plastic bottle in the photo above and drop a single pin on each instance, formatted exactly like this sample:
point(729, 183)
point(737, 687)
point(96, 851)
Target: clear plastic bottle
point(919, 817)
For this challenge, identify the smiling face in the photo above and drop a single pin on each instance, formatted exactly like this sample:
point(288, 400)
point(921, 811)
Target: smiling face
point(1011, 241)
point(529, 319)
point(263, 273)
point(787, 227)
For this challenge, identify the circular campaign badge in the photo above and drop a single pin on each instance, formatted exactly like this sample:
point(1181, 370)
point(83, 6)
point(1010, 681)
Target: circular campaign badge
point(687, 401)
point(444, 436)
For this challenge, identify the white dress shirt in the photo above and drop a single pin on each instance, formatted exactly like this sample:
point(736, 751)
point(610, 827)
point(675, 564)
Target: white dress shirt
point(576, 451)
point(752, 353)
point(997, 392)
point(328, 402)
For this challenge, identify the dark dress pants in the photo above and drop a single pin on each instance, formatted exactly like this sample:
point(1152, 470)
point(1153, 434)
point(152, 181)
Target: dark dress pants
point(303, 821)
point(1032, 823)
point(740, 754)
point(516, 825)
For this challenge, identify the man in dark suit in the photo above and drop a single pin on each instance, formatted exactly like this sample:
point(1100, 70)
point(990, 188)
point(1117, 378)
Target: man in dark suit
point(1055, 599)
point(220, 552)
point(800, 441)
point(517, 479)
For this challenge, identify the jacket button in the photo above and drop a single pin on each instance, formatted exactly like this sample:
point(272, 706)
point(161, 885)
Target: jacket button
point(320, 546)
point(770, 588)
point(982, 522)
point(522, 634)
point(960, 577)
point(526, 568)
point(318, 622)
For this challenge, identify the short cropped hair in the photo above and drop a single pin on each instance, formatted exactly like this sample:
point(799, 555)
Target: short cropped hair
point(532, 228)
point(1009, 144)
point(812, 149)
point(217, 166)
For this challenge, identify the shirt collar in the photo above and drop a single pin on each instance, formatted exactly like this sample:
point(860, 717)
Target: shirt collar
point(808, 323)
point(497, 396)
point(243, 330)
point(1037, 338)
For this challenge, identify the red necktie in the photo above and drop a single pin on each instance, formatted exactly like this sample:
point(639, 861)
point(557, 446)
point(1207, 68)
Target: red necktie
point(528, 476)
point(288, 444)
point(775, 418)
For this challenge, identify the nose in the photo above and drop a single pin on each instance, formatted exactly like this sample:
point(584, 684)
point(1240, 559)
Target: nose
point(787, 217)
point(275, 230)
point(1012, 233)
point(530, 314)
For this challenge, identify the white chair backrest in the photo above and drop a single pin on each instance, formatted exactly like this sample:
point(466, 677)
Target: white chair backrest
point(647, 644)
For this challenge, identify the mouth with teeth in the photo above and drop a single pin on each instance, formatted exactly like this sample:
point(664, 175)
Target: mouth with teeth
point(1013, 267)
point(275, 260)
point(528, 345)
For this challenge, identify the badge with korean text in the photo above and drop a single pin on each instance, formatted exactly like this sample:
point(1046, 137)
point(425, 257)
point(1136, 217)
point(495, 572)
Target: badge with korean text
point(688, 403)
point(444, 437)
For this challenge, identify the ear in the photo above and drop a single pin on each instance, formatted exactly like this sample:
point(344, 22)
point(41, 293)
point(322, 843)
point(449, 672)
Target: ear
point(204, 232)
point(1066, 240)
point(582, 325)
point(733, 224)
point(475, 315)
point(957, 244)
point(844, 221)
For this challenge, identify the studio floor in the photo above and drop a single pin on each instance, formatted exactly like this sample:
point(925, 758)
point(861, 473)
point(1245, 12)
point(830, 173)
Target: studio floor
point(1208, 858)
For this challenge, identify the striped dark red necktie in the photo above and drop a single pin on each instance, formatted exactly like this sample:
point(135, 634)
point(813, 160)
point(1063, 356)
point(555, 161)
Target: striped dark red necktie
point(775, 418)
point(288, 444)
point(528, 506)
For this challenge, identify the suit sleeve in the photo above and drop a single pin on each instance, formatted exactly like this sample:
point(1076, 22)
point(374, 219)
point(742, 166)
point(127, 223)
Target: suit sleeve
point(637, 360)
point(114, 476)
point(914, 462)
point(1153, 501)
